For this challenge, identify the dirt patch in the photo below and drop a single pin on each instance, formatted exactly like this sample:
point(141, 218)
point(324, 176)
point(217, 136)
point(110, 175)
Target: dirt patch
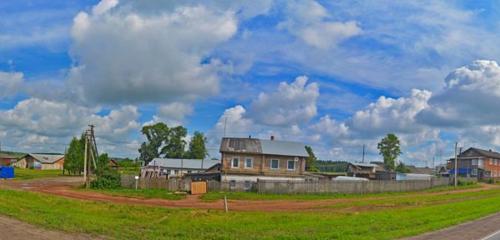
point(17, 230)
point(64, 186)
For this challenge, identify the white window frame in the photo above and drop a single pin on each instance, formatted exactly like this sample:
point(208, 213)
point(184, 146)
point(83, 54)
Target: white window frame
point(232, 162)
point(294, 165)
point(251, 162)
point(271, 164)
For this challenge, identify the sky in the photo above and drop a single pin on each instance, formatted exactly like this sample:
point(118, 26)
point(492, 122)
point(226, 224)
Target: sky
point(335, 75)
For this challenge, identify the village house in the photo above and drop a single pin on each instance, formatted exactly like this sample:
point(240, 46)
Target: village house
point(475, 162)
point(173, 167)
point(41, 161)
point(6, 159)
point(249, 159)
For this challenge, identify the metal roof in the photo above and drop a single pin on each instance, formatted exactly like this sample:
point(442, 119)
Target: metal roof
point(259, 146)
point(47, 158)
point(183, 163)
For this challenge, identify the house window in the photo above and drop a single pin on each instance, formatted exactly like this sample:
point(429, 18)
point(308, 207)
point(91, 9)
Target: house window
point(168, 172)
point(275, 163)
point(189, 171)
point(235, 163)
point(249, 163)
point(176, 172)
point(291, 165)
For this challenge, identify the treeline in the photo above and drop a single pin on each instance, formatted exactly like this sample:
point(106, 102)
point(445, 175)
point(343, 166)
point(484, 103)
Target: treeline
point(163, 141)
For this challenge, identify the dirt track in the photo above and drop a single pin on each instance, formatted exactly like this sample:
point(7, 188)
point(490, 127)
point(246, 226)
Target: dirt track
point(64, 186)
point(17, 230)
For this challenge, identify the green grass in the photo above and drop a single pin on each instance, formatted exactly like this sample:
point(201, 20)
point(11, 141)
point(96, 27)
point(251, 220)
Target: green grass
point(25, 174)
point(140, 193)
point(399, 216)
point(214, 196)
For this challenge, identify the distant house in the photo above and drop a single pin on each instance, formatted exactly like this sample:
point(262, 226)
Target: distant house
point(364, 170)
point(249, 159)
point(475, 162)
point(174, 167)
point(113, 164)
point(41, 161)
point(7, 160)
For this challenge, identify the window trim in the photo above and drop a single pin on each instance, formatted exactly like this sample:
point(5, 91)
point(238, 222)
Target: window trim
point(251, 163)
point(271, 164)
point(232, 162)
point(294, 165)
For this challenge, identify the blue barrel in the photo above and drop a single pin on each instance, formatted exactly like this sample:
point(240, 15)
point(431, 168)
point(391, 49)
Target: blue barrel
point(6, 172)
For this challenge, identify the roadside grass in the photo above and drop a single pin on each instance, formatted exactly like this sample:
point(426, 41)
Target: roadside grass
point(214, 196)
point(26, 174)
point(120, 221)
point(139, 193)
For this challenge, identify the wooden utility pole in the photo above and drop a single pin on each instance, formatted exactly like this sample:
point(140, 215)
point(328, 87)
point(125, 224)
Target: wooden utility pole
point(363, 153)
point(456, 165)
point(90, 153)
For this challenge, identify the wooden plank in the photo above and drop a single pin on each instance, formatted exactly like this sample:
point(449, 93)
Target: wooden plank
point(198, 188)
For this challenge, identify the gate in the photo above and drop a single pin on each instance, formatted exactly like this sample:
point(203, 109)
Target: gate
point(198, 187)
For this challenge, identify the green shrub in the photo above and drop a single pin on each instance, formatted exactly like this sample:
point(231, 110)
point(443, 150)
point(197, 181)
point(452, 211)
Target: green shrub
point(106, 180)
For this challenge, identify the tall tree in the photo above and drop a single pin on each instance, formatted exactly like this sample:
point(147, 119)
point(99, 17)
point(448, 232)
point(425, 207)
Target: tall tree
point(156, 135)
point(73, 160)
point(197, 149)
point(389, 148)
point(311, 160)
point(175, 145)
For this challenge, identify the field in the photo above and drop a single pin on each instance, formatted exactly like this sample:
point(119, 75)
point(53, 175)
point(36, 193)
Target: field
point(25, 174)
point(140, 193)
point(376, 216)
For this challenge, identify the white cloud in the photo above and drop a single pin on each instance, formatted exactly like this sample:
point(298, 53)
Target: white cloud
point(124, 56)
point(11, 83)
point(309, 21)
point(293, 103)
point(103, 6)
point(173, 114)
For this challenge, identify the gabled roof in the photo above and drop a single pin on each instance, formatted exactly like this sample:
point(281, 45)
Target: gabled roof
point(476, 151)
point(46, 158)
point(3, 156)
point(183, 163)
point(259, 146)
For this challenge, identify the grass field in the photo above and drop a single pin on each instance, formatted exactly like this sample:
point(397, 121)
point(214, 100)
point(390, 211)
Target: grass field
point(25, 174)
point(213, 196)
point(390, 217)
point(140, 193)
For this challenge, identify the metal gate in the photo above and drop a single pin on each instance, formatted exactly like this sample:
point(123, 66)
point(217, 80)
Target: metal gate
point(198, 187)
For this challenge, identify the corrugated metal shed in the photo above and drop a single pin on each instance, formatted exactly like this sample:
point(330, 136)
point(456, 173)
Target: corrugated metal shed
point(259, 146)
point(183, 163)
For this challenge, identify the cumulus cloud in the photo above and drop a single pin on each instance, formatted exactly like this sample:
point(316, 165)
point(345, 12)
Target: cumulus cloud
point(469, 98)
point(36, 121)
point(309, 21)
point(123, 56)
point(173, 113)
point(293, 103)
point(11, 83)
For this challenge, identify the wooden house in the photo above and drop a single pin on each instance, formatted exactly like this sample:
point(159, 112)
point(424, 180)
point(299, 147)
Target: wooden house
point(475, 162)
point(249, 159)
point(41, 161)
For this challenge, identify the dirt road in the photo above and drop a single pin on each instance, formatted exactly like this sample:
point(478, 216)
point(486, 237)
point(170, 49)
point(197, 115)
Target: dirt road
point(17, 230)
point(485, 228)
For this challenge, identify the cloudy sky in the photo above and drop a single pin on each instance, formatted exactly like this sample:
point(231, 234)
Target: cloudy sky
point(335, 75)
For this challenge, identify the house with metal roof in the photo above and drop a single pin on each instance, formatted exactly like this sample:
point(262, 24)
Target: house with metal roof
point(41, 161)
point(475, 162)
point(249, 159)
point(176, 167)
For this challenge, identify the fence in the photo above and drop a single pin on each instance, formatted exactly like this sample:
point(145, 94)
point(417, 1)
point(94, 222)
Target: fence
point(290, 187)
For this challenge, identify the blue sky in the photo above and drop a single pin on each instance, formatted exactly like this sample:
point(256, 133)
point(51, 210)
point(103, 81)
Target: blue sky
point(332, 74)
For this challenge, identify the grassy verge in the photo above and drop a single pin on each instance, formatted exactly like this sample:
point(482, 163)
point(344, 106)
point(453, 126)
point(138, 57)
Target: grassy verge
point(141, 222)
point(25, 174)
point(214, 196)
point(140, 193)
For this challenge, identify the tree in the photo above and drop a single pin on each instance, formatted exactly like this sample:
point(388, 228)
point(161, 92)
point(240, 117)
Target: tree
point(156, 135)
point(73, 160)
point(311, 160)
point(389, 148)
point(162, 141)
point(402, 168)
point(175, 144)
point(197, 149)
point(106, 178)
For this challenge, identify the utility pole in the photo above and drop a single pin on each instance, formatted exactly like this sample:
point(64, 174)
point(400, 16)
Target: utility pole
point(456, 164)
point(225, 122)
point(90, 153)
point(363, 153)
point(85, 156)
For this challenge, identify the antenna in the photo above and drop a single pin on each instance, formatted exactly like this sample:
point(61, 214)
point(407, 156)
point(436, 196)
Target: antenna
point(225, 123)
point(363, 153)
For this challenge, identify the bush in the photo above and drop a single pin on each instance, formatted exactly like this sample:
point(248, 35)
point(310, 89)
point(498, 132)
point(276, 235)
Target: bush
point(465, 183)
point(106, 180)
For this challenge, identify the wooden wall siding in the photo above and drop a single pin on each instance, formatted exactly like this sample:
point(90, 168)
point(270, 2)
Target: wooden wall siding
point(262, 165)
